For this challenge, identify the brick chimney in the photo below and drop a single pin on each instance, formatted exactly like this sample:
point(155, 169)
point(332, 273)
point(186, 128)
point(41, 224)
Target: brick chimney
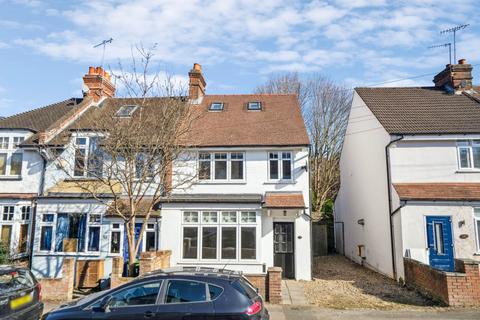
point(197, 84)
point(455, 78)
point(98, 84)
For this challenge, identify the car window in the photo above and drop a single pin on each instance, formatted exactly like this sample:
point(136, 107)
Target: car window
point(13, 280)
point(142, 294)
point(184, 291)
point(243, 286)
point(214, 291)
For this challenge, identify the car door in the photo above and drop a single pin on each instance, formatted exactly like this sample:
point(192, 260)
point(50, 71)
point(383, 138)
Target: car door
point(185, 299)
point(136, 302)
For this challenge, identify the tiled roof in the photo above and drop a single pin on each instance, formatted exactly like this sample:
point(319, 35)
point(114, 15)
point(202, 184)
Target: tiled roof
point(40, 119)
point(142, 207)
point(423, 110)
point(279, 123)
point(26, 196)
point(438, 191)
point(284, 200)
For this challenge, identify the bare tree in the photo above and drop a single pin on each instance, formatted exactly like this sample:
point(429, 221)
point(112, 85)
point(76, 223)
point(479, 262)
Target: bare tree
point(134, 143)
point(325, 108)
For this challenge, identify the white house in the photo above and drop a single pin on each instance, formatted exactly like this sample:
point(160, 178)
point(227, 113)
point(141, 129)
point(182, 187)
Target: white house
point(410, 174)
point(247, 210)
point(21, 172)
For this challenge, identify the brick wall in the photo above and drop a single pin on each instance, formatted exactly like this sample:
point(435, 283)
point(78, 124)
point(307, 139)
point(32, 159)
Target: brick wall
point(60, 289)
point(269, 285)
point(259, 281)
point(154, 260)
point(460, 288)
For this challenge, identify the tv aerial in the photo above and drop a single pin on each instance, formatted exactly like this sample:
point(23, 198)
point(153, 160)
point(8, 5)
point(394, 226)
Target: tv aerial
point(454, 31)
point(103, 43)
point(444, 45)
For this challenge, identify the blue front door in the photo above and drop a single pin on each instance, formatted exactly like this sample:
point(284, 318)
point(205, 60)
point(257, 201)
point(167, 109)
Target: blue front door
point(440, 242)
point(138, 228)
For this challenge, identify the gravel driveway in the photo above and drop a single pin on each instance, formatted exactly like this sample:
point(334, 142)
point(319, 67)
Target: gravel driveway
point(341, 284)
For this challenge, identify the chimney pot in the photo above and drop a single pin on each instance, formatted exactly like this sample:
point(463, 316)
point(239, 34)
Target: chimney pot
point(197, 67)
point(462, 61)
point(91, 70)
point(99, 83)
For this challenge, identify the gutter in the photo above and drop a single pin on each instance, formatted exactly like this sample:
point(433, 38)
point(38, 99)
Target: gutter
point(390, 211)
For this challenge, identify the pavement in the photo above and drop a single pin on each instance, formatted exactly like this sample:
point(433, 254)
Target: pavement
point(286, 312)
point(293, 293)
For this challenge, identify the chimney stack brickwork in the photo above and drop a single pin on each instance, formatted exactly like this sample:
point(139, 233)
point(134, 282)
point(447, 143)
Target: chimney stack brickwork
point(457, 77)
point(99, 83)
point(197, 84)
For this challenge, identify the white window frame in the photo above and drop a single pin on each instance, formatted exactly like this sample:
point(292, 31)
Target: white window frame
point(468, 145)
point(211, 108)
point(9, 149)
point(477, 230)
point(229, 161)
point(280, 166)
point(220, 225)
point(113, 229)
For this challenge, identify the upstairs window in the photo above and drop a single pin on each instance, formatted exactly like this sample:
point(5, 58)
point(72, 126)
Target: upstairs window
point(11, 159)
point(216, 106)
point(88, 157)
point(26, 212)
point(17, 141)
point(126, 111)
point(4, 142)
point(256, 106)
point(280, 166)
point(221, 166)
point(469, 154)
point(8, 213)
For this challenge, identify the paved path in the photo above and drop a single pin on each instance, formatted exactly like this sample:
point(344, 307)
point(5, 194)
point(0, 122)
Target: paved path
point(286, 312)
point(293, 293)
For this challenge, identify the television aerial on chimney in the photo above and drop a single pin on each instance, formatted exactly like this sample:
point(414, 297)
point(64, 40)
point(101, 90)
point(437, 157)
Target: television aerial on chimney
point(103, 43)
point(454, 31)
point(449, 45)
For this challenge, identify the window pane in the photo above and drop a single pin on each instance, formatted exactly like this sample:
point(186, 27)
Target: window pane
point(115, 242)
point(204, 170)
point(286, 169)
point(229, 217)
point(4, 142)
point(79, 162)
point(93, 238)
point(179, 291)
point(464, 158)
point(95, 158)
point(209, 217)
point(190, 217)
point(150, 241)
point(46, 238)
point(16, 164)
point(249, 217)
point(214, 291)
point(190, 242)
point(476, 157)
point(237, 170)
point(47, 217)
point(249, 240)
point(478, 233)
point(273, 169)
point(221, 166)
point(209, 243)
point(3, 164)
point(22, 245)
point(229, 243)
point(6, 235)
point(439, 238)
point(144, 294)
point(62, 231)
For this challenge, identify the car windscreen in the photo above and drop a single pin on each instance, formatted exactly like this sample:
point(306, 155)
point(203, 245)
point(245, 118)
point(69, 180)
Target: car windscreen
point(15, 280)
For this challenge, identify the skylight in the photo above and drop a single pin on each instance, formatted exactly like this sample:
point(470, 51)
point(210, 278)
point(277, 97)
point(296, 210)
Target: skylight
point(126, 111)
point(216, 106)
point(254, 106)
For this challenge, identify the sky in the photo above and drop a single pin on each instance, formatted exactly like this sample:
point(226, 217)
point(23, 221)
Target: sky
point(47, 46)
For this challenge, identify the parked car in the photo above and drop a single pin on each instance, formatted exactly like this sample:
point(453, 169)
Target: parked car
point(20, 294)
point(180, 293)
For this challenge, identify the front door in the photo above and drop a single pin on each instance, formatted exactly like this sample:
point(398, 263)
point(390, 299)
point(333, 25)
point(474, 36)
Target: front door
point(283, 248)
point(440, 242)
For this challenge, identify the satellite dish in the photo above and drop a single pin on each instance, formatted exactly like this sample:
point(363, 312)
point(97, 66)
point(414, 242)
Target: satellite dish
point(85, 89)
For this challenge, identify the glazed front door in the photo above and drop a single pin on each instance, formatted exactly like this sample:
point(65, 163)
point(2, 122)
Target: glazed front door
point(440, 243)
point(284, 248)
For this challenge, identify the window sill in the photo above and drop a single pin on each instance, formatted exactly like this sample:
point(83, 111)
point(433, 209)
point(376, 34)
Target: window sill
point(219, 262)
point(222, 182)
point(468, 171)
point(10, 177)
point(280, 182)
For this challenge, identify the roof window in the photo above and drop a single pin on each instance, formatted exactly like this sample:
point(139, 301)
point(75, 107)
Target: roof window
point(216, 106)
point(254, 106)
point(126, 111)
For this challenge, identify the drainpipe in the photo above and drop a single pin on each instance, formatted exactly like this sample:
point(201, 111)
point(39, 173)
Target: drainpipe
point(390, 211)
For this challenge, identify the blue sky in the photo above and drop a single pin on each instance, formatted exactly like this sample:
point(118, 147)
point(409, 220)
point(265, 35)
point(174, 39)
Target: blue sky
point(46, 46)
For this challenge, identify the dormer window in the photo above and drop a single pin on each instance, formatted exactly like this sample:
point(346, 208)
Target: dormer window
point(216, 106)
point(255, 106)
point(126, 111)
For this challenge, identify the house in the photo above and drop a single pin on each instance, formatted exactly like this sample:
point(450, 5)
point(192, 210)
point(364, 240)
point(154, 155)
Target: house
point(410, 175)
point(21, 172)
point(248, 210)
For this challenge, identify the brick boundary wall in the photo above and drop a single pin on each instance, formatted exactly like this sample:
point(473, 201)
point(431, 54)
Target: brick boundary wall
point(59, 289)
point(269, 284)
point(259, 281)
point(459, 289)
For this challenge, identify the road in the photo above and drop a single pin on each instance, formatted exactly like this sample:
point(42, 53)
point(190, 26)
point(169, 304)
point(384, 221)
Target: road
point(278, 312)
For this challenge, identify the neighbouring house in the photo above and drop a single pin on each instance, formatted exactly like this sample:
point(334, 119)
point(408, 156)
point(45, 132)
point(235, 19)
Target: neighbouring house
point(21, 171)
point(410, 175)
point(248, 210)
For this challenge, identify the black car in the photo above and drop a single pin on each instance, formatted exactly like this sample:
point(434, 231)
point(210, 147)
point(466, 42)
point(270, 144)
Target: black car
point(20, 294)
point(181, 293)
